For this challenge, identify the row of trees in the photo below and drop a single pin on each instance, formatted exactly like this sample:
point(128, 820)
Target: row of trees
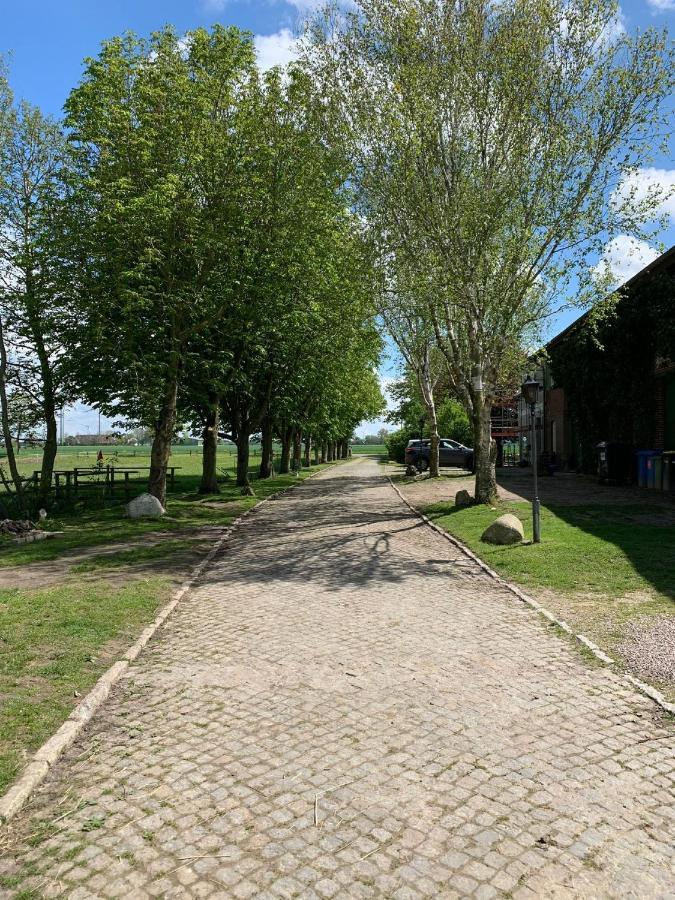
point(183, 247)
point(487, 141)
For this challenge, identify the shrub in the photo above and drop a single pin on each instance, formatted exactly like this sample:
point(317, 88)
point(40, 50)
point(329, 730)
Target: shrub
point(396, 443)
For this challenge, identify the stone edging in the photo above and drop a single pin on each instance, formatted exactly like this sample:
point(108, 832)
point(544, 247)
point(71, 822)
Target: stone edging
point(52, 750)
point(644, 688)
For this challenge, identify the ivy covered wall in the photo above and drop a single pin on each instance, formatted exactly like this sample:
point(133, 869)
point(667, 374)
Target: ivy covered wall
point(606, 366)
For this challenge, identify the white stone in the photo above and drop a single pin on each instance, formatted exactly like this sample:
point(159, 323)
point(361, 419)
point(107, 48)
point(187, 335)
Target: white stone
point(506, 529)
point(145, 506)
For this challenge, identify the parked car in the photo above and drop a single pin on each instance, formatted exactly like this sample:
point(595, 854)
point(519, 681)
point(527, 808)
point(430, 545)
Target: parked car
point(450, 453)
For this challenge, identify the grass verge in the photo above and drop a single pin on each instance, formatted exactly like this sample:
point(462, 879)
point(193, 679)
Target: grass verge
point(603, 567)
point(56, 640)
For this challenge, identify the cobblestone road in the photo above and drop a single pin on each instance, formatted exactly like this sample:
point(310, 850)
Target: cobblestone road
point(347, 707)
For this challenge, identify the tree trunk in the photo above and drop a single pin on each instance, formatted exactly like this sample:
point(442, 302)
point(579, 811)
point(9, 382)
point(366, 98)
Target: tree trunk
point(161, 444)
point(48, 408)
point(316, 454)
point(6, 430)
point(243, 449)
point(485, 453)
point(297, 450)
point(209, 482)
point(49, 451)
point(323, 452)
point(267, 449)
point(434, 466)
point(426, 384)
point(307, 462)
point(286, 437)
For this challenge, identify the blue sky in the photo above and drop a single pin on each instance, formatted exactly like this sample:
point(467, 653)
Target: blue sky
point(46, 41)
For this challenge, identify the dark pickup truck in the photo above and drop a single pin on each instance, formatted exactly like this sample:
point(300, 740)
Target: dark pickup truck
point(450, 453)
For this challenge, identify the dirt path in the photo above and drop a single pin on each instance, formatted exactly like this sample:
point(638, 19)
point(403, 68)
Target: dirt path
point(347, 707)
point(176, 551)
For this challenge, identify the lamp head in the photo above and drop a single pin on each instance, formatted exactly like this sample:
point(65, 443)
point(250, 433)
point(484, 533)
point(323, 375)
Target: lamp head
point(530, 391)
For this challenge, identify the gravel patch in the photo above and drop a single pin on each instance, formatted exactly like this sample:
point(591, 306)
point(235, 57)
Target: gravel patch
point(649, 647)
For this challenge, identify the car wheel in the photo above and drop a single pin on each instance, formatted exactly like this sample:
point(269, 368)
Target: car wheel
point(422, 464)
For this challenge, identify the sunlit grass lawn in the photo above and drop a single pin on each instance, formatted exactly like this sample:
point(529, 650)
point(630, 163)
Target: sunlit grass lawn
point(55, 641)
point(187, 457)
point(607, 569)
point(607, 549)
point(368, 449)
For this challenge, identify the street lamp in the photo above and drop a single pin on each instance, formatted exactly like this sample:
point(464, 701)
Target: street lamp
point(530, 391)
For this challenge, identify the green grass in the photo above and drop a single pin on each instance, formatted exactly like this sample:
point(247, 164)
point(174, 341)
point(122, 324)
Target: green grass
point(55, 641)
point(84, 526)
point(606, 569)
point(188, 457)
point(368, 449)
point(53, 644)
point(596, 548)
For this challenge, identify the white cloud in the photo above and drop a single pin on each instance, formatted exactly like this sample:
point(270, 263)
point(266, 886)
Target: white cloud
point(661, 5)
point(624, 257)
point(614, 28)
point(649, 182)
point(306, 5)
point(303, 6)
point(276, 49)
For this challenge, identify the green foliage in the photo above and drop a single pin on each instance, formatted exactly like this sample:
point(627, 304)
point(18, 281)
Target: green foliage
point(396, 443)
point(160, 203)
point(454, 423)
point(485, 139)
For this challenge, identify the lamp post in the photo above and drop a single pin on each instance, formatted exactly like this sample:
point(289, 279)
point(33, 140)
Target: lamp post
point(530, 391)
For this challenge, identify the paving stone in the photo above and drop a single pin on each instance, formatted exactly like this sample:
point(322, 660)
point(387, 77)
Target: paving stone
point(340, 656)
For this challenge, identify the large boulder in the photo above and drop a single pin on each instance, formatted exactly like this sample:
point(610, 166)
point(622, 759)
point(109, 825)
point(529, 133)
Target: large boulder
point(145, 506)
point(463, 498)
point(506, 529)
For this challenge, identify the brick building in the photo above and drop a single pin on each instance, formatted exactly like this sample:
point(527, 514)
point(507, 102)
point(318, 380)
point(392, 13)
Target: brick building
point(611, 374)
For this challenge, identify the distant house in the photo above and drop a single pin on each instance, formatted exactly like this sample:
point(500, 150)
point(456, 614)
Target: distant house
point(89, 440)
point(610, 376)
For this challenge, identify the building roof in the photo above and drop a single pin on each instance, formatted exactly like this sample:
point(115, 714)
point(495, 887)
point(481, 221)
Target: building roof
point(653, 268)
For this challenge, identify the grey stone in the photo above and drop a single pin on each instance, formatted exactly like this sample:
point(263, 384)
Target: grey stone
point(145, 506)
point(506, 529)
point(463, 498)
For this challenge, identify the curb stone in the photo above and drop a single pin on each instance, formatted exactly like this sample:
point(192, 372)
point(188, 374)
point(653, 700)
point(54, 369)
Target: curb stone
point(36, 770)
point(644, 688)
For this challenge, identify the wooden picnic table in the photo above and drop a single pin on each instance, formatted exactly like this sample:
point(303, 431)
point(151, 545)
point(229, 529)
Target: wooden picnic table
point(72, 476)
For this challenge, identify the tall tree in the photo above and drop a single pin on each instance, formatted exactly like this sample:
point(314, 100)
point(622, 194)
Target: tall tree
point(406, 319)
point(160, 202)
point(33, 279)
point(487, 139)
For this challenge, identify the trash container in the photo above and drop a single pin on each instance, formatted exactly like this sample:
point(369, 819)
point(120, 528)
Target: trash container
point(658, 472)
point(669, 471)
point(654, 468)
point(645, 470)
point(615, 462)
